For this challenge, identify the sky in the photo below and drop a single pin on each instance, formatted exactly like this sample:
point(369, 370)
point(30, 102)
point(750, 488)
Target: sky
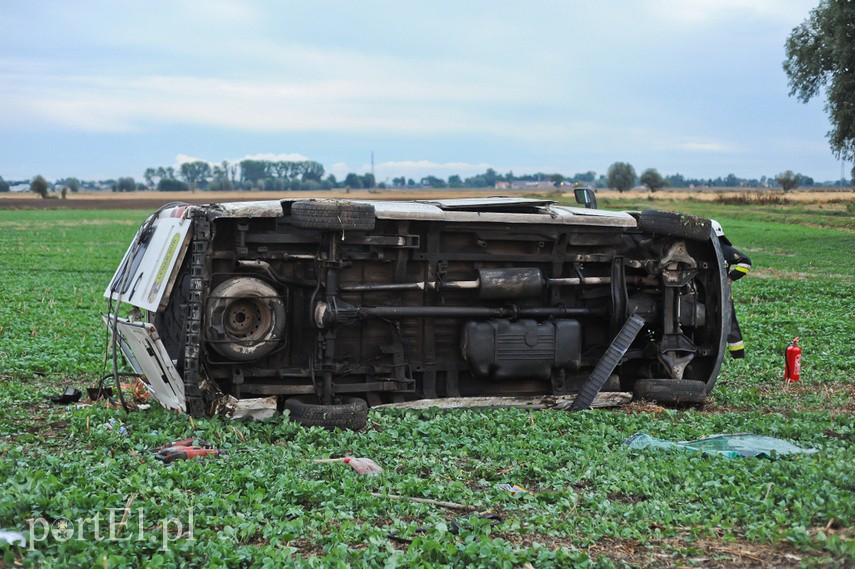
point(101, 89)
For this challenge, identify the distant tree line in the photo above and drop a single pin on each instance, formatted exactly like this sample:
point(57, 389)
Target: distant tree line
point(308, 175)
point(621, 176)
point(265, 175)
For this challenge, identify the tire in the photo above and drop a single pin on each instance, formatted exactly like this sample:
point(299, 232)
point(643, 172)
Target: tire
point(245, 319)
point(351, 413)
point(675, 224)
point(677, 392)
point(333, 215)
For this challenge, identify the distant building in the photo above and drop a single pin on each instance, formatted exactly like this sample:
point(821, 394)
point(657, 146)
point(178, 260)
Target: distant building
point(524, 185)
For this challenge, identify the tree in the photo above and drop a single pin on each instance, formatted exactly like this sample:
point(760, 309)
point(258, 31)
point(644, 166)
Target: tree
point(588, 177)
point(252, 171)
point(39, 186)
point(126, 185)
point(230, 168)
point(676, 181)
point(621, 176)
point(281, 169)
point(652, 179)
point(167, 173)
point(353, 181)
point(312, 170)
point(4, 185)
point(490, 178)
point(821, 56)
point(73, 184)
point(432, 182)
point(220, 179)
point(454, 181)
point(788, 180)
point(195, 172)
point(149, 175)
point(171, 185)
point(557, 180)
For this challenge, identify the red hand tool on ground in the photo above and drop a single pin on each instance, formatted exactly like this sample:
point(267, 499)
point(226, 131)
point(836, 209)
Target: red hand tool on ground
point(185, 449)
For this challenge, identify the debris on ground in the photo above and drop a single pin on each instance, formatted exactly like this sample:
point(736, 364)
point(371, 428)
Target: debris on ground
point(116, 425)
point(185, 449)
point(171, 454)
point(99, 392)
point(730, 446)
point(637, 407)
point(70, 395)
point(604, 399)
point(364, 466)
point(512, 488)
point(258, 409)
point(440, 503)
point(12, 538)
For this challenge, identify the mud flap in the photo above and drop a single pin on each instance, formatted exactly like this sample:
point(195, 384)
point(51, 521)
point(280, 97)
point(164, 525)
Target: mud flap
point(141, 346)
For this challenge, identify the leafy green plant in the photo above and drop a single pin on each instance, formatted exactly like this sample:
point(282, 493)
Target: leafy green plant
point(592, 502)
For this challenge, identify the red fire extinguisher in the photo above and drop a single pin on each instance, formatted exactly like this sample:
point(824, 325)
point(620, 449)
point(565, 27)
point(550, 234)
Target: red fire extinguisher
point(793, 361)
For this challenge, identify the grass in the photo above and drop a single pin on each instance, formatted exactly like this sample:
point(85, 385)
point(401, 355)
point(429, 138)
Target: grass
point(592, 502)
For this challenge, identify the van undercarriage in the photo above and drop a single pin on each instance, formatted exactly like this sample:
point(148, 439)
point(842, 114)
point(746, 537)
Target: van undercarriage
point(331, 304)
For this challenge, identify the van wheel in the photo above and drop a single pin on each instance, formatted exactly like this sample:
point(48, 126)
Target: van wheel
point(678, 392)
point(351, 413)
point(246, 319)
point(674, 224)
point(334, 215)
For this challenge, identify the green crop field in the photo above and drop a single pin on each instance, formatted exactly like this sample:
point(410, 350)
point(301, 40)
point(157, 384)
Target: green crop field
point(67, 480)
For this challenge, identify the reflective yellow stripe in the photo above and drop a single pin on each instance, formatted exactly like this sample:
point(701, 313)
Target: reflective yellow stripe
point(736, 346)
point(742, 268)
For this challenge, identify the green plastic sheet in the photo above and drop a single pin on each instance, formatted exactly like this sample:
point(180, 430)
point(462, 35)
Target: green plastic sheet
point(730, 446)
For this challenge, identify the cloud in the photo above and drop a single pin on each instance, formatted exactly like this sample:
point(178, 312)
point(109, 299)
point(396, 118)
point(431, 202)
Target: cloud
point(709, 146)
point(269, 156)
point(537, 86)
point(116, 104)
point(416, 169)
point(289, 157)
point(184, 159)
point(420, 168)
point(219, 12)
point(704, 12)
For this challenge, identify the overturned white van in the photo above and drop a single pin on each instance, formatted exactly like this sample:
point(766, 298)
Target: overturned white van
point(329, 306)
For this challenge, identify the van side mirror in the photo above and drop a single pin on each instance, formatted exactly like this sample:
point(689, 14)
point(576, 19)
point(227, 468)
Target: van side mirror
point(586, 197)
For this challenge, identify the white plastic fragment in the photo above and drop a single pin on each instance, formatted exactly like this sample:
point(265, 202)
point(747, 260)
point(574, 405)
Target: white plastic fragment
point(259, 409)
point(13, 538)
